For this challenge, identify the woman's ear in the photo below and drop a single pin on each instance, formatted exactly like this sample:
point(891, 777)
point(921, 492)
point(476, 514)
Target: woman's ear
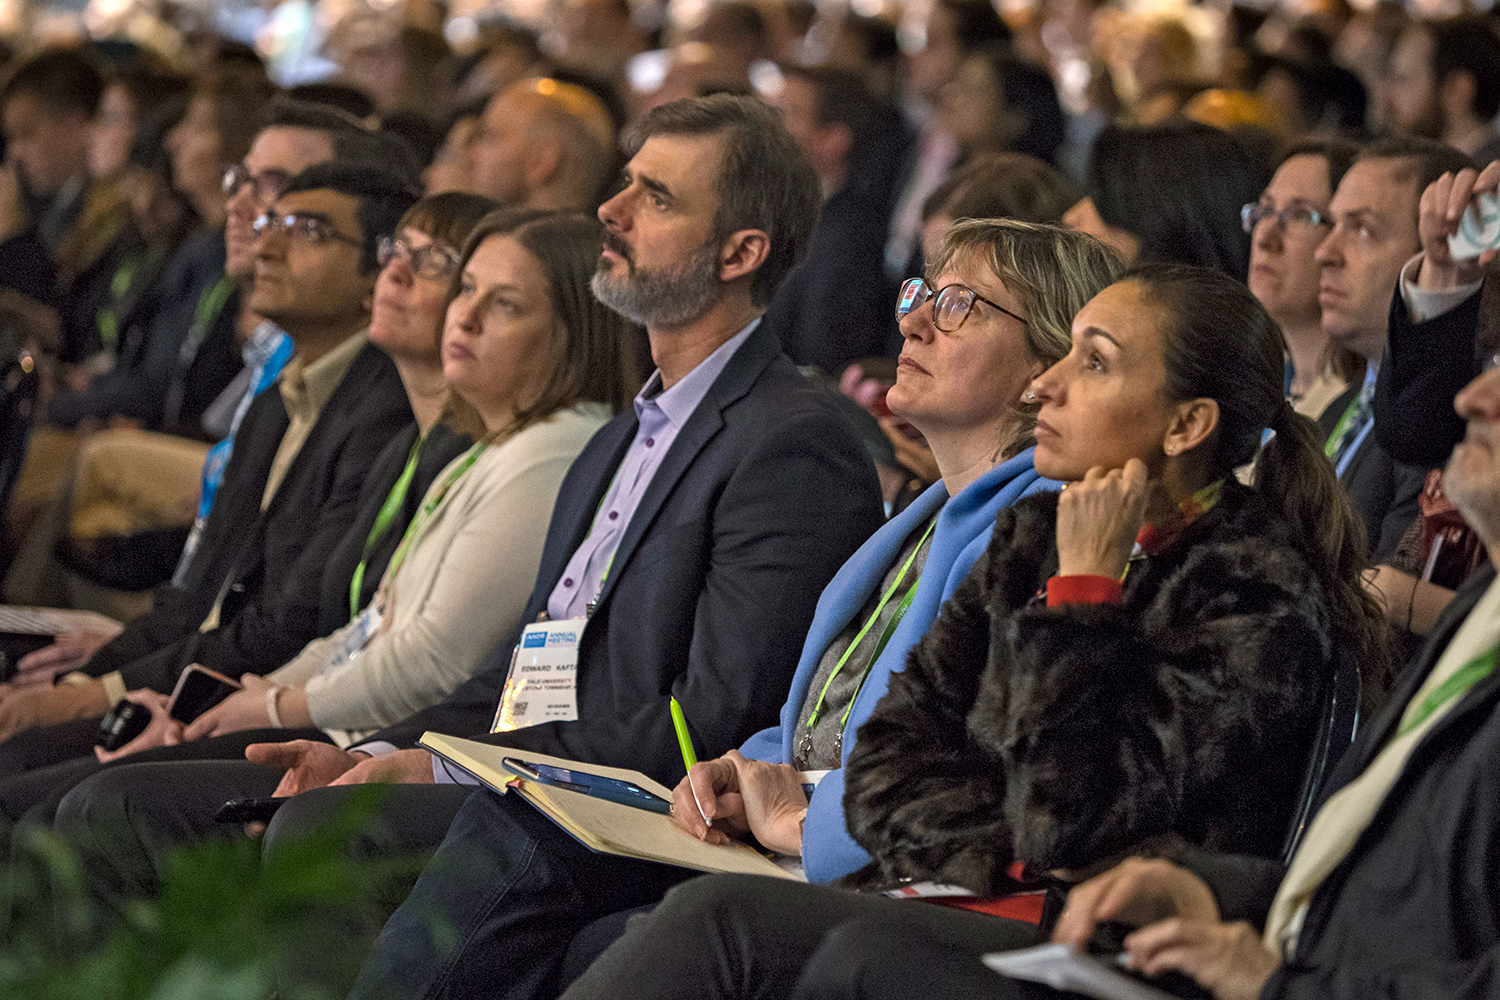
point(1194, 422)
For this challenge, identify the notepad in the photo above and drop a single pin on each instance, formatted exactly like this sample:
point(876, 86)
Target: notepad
point(1062, 968)
point(599, 824)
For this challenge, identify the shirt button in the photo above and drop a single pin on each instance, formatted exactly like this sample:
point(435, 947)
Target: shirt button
point(614, 515)
point(568, 582)
point(650, 442)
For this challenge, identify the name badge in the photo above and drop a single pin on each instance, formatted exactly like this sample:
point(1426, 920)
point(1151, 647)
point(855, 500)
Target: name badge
point(358, 635)
point(542, 685)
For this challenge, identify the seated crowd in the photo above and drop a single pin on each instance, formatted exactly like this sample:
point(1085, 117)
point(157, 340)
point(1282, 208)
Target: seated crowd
point(338, 392)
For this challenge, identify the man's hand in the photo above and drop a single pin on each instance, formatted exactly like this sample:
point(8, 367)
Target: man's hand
point(403, 767)
point(913, 454)
point(68, 652)
point(309, 764)
point(243, 709)
point(29, 708)
point(1098, 520)
point(1227, 959)
point(1137, 891)
point(1441, 210)
point(736, 795)
point(161, 731)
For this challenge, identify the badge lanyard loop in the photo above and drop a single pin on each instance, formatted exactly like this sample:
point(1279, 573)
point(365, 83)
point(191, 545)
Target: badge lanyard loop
point(383, 519)
point(425, 514)
point(885, 635)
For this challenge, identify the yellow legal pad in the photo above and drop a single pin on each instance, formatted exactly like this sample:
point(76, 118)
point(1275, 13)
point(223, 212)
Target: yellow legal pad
point(599, 824)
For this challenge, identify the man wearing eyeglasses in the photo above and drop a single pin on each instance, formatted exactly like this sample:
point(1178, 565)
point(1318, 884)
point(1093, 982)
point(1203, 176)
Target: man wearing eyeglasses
point(250, 598)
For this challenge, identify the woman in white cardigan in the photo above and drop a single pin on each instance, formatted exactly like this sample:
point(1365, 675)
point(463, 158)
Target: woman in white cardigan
point(542, 366)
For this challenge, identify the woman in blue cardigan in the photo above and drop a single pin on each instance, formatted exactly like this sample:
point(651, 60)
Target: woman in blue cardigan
point(997, 312)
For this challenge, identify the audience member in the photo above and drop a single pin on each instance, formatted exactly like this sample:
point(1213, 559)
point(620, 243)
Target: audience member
point(718, 207)
point(1374, 234)
point(1171, 193)
point(1445, 84)
point(542, 144)
point(1011, 746)
point(1000, 103)
point(830, 310)
point(997, 186)
point(1286, 226)
point(251, 598)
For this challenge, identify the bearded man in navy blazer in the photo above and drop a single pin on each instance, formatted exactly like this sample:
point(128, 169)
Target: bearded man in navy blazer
point(698, 530)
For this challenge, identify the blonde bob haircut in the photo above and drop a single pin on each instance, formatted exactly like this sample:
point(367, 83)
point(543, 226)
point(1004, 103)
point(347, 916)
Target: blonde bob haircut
point(1052, 272)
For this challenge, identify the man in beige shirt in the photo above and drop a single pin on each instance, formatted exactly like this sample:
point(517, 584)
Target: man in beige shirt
point(301, 459)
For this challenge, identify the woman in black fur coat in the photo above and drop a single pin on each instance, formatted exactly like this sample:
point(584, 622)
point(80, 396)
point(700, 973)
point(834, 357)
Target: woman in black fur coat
point(1056, 717)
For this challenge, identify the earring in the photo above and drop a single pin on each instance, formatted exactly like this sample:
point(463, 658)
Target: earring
point(1170, 449)
point(1029, 396)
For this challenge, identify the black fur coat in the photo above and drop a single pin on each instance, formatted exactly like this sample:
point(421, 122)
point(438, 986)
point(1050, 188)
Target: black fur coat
point(1061, 737)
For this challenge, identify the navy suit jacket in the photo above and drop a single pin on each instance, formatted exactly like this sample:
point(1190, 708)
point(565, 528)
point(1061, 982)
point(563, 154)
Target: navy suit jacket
point(765, 492)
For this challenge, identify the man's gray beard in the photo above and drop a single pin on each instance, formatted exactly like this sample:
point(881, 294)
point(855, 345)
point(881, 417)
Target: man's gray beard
point(664, 300)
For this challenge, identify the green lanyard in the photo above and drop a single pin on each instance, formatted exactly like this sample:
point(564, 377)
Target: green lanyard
point(885, 636)
point(388, 511)
point(1460, 681)
point(108, 320)
point(425, 514)
point(211, 303)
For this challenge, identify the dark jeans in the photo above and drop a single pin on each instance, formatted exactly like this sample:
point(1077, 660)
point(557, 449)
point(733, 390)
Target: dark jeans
point(496, 909)
point(744, 936)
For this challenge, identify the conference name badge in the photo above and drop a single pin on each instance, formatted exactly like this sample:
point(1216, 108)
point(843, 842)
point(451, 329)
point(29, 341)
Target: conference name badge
point(542, 685)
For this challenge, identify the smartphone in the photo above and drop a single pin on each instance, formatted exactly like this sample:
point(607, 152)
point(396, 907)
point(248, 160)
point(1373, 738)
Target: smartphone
point(199, 689)
point(123, 723)
point(241, 811)
point(1479, 230)
point(624, 792)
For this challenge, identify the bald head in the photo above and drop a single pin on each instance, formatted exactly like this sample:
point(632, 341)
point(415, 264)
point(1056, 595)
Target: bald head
point(542, 144)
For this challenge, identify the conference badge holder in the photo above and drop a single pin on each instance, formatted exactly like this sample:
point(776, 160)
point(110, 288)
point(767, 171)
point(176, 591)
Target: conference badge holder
point(542, 685)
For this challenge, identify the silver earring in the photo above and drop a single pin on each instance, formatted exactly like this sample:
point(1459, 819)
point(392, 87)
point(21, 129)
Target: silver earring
point(1029, 396)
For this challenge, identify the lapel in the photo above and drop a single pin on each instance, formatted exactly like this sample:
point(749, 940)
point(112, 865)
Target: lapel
point(1384, 724)
point(611, 442)
point(758, 351)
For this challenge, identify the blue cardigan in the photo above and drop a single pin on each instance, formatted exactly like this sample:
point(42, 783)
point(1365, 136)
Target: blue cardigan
point(963, 531)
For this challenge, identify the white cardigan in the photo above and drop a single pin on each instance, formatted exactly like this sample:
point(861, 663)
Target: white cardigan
point(464, 584)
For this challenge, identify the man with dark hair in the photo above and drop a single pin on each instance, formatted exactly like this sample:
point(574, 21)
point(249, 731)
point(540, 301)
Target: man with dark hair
point(692, 537)
point(1374, 213)
point(835, 306)
point(250, 597)
point(1445, 84)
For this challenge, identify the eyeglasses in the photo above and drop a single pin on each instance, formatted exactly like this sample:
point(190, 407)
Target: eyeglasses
point(268, 183)
point(434, 262)
point(1294, 218)
point(310, 229)
point(950, 304)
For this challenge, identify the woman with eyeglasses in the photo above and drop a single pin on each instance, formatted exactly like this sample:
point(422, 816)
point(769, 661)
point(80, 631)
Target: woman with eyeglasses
point(1134, 664)
point(1285, 226)
point(501, 338)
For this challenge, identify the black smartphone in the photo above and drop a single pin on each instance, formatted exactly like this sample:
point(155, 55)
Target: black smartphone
point(241, 811)
point(199, 689)
point(123, 723)
point(624, 792)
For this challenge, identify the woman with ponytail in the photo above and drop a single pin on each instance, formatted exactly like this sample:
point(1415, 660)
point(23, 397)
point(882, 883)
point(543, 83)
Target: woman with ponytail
point(1136, 664)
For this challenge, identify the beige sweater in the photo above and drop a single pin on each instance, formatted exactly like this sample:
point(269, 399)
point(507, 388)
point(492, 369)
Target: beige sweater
point(464, 584)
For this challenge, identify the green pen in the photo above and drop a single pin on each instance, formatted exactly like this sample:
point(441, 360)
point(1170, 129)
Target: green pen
point(684, 741)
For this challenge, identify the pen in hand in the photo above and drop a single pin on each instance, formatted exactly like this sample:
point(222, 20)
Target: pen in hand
point(689, 757)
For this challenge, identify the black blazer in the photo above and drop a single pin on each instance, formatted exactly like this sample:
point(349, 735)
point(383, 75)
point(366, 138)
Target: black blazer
point(1414, 910)
point(1386, 493)
point(1425, 366)
point(270, 564)
point(763, 495)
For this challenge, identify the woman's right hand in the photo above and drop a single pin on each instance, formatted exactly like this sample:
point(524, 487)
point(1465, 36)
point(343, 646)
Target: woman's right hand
point(1098, 520)
point(724, 799)
point(68, 652)
point(161, 731)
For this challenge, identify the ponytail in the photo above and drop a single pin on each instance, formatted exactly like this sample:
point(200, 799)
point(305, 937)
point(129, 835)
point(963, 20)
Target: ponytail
point(1294, 478)
point(1221, 344)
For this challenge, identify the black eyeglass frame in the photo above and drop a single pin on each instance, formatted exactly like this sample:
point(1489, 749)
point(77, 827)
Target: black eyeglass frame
point(268, 183)
point(907, 303)
point(314, 229)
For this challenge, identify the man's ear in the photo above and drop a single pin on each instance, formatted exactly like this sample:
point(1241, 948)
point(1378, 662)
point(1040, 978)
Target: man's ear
point(743, 253)
point(1456, 93)
point(1194, 423)
point(543, 163)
